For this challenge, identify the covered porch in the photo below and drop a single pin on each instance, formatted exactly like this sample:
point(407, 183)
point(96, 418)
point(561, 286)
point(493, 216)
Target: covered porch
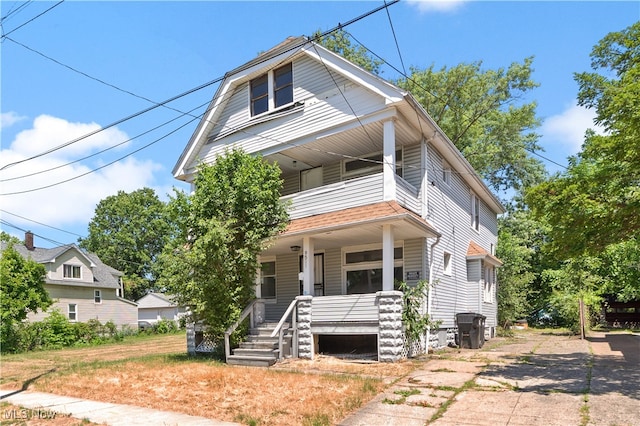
point(335, 274)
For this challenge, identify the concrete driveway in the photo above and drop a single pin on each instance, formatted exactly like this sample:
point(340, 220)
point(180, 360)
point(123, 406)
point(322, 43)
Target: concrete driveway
point(533, 379)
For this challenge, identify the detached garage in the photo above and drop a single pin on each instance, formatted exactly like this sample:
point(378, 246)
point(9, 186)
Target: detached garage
point(154, 307)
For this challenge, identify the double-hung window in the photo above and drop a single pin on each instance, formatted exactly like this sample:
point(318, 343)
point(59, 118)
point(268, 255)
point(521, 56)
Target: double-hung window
point(268, 280)
point(489, 284)
point(97, 296)
point(71, 271)
point(475, 212)
point(272, 90)
point(73, 312)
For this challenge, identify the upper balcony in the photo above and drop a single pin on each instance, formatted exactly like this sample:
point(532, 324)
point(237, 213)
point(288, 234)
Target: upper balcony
point(350, 193)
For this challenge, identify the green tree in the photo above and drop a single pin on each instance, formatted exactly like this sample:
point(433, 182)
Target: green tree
point(481, 111)
point(520, 241)
point(21, 291)
point(339, 42)
point(228, 220)
point(594, 206)
point(596, 202)
point(128, 231)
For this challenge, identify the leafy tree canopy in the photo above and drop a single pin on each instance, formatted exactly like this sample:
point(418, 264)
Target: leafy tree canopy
point(479, 111)
point(128, 231)
point(21, 291)
point(225, 224)
point(339, 42)
point(596, 202)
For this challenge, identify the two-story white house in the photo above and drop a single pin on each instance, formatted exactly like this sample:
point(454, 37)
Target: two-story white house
point(81, 286)
point(377, 194)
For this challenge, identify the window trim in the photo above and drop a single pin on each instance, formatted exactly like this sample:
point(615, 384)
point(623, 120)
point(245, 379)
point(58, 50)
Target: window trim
point(475, 212)
point(376, 164)
point(271, 92)
point(447, 263)
point(488, 284)
point(376, 264)
point(270, 259)
point(97, 296)
point(72, 269)
point(74, 312)
point(446, 173)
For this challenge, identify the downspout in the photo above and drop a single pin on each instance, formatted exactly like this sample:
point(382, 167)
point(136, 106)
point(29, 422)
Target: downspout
point(430, 284)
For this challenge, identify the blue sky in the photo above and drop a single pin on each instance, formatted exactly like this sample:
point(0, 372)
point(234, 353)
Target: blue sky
point(157, 50)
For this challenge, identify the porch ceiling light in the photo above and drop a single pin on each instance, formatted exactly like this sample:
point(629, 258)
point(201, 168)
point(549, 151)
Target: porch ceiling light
point(295, 248)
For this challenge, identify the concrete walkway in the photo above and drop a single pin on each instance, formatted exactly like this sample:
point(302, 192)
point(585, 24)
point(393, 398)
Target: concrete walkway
point(101, 412)
point(536, 380)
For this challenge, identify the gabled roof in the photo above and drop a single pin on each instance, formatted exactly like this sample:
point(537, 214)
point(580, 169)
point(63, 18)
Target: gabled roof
point(104, 276)
point(156, 300)
point(394, 96)
point(476, 252)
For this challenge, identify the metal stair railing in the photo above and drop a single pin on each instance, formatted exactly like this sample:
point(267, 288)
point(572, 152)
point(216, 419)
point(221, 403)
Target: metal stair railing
point(279, 330)
point(247, 312)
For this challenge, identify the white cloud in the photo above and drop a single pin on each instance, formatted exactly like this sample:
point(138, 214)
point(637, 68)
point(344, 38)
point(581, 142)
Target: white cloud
point(568, 127)
point(436, 5)
point(50, 132)
point(8, 119)
point(72, 203)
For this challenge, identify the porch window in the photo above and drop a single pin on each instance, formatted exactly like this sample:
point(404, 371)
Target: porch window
point(272, 90)
point(71, 271)
point(363, 270)
point(369, 164)
point(268, 280)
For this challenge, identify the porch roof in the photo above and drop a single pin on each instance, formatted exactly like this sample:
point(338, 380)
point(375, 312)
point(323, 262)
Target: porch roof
point(476, 252)
point(353, 226)
point(379, 212)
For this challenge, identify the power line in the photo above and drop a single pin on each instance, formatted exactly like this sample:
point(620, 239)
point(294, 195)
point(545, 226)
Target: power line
point(11, 11)
point(113, 86)
point(296, 46)
point(31, 20)
point(4, 222)
point(108, 148)
point(40, 223)
point(115, 123)
point(103, 166)
point(425, 90)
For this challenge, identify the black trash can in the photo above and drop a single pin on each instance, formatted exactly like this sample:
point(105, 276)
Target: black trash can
point(470, 330)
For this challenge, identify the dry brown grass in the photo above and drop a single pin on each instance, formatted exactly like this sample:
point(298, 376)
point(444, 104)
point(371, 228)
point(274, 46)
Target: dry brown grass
point(155, 373)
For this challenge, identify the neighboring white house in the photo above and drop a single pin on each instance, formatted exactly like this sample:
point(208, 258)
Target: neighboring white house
point(377, 193)
point(154, 307)
point(81, 286)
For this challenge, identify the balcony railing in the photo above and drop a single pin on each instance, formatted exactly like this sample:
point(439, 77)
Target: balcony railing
point(350, 193)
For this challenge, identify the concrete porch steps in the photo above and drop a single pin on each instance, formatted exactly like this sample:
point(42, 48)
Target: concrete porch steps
point(260, 349)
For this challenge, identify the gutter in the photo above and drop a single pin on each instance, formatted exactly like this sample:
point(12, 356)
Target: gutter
point(430, 283)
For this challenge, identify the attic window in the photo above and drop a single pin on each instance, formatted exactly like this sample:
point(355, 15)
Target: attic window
point(272, 90)
point(71, 271)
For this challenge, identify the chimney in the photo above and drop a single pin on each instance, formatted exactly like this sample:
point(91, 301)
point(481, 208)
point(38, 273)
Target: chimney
point(28, 240)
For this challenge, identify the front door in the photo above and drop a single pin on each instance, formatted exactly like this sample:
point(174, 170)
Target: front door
point(318, 284)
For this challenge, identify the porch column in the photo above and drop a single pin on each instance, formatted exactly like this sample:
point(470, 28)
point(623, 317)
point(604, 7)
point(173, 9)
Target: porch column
point(387, 258)
point(389, 160)
point(308, 274)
